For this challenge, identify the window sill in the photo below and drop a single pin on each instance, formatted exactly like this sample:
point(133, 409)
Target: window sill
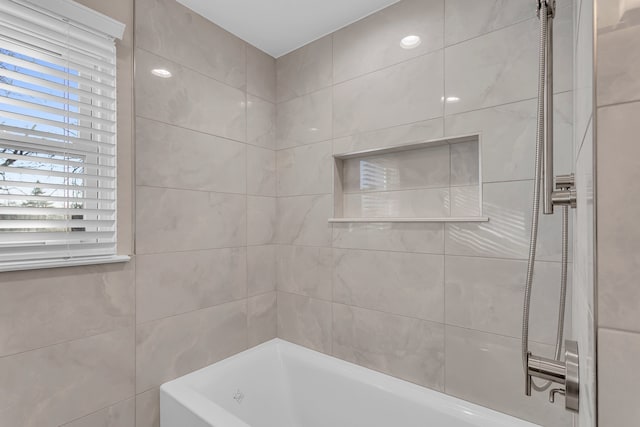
point(34, 265)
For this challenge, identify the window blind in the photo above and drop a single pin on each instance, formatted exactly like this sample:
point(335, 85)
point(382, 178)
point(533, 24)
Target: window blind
point(57, 138)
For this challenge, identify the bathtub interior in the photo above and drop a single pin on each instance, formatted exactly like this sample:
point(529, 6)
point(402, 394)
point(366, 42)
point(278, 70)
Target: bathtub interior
point(279, 384)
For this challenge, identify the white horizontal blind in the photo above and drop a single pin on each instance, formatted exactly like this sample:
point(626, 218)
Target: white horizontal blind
point(57, 138)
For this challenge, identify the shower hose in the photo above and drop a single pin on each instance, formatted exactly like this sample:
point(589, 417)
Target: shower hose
point(540, 134)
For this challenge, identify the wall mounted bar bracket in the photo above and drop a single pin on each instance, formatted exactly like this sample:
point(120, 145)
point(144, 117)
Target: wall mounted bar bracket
point(565, 373)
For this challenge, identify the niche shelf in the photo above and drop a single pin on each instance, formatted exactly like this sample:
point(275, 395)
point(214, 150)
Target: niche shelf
point(432, 181)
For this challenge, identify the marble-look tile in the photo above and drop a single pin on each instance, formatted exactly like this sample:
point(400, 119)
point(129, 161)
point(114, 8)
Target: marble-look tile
point(305, 170)
point(305, 321)
point(505, 65)
point(261, 74)
point(302, 220)
point(121, 414)
point(404, 93)
point(57, 384)
point(305, 270)
point(261, 220)
point(179, 282)
point(261, 122)
point(405, 134)
point(304, 70)
point(618, 378)
point(465, 201)
point(374, 42)
point(486, 294)
point(466, 19)
point(44, 307)
point(304, 120)
point(169, 156)
point(406, 348)
point(174, 346)
point(177, 220)
point(261, 171)
point(465, 163)
point(168, 29)
point(402, 237)
point(148, 408)
point(428, 203)
point(262, 318)
point(618, 61)
point(618, 157)
point(188, 99)
point(506, 235)
point(584, 72)
point(508, 137)
point(487, 369)
point(402, 283)
point(261, 269)
point(422, 168)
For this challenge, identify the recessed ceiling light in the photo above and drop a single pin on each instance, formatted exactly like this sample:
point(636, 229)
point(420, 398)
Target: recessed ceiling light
point(410, 42)
point(313, 129)
point(161, 72)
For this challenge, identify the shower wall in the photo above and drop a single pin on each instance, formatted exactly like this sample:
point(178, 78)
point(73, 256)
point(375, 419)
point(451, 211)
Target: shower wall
point(618, 165)
point(436, 304)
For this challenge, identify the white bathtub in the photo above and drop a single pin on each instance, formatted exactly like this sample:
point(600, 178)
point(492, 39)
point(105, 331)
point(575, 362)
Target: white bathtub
point(279, 384)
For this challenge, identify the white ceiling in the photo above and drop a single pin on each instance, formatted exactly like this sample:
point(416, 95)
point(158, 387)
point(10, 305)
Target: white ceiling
point(280, 26)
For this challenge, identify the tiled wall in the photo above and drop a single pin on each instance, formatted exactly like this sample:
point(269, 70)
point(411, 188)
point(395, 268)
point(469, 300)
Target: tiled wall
point(584, 215)
point(89, 346)
point(205, 197)
point(618, 166)
point(436, 304)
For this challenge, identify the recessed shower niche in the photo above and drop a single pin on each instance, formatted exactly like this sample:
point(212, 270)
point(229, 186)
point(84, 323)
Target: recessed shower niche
point(431, 181)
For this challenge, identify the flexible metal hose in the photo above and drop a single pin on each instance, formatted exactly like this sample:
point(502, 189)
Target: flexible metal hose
point(540, 135)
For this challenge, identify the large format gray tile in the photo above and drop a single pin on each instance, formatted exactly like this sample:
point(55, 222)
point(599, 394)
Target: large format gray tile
point(403, 237)
point(305, 321)
point(261, 171)
point(374, 42)
point(174, 346)
point(404, 93)
point(618, 378)
point(618, 58)
point(425, 203)
point(169, 156)
point(394, 282)
point(57, 384)
point(466, 19)
point(504, 65)
point(487, 369)
point(508, 137)
point(177, 220)
point(404, 134)
point(148, 408)
point(44, 307)
point(261, 122)
point(261, 220)
point(122, 414)
point(304, 120)
point(507, 233)
point(305, 170)
point(262, 319)
point(261, 74)
point(407, 348)
point(305, 270)
point(179, 282)
point(168, 29)
point(302, 220)
point(188, 99)
point(261, 269)
point(486, 294)
point(304, 70)
point(618, 157)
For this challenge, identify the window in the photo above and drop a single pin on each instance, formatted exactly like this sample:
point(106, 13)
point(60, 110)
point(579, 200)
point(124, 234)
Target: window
point(57, 139)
